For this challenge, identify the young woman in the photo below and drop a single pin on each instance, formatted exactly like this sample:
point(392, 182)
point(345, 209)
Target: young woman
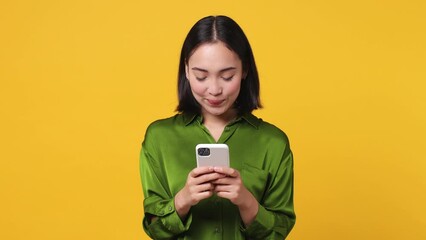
point(218, 88)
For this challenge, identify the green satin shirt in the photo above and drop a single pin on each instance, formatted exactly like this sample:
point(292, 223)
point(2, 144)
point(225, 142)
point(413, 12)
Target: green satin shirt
point(258, 150)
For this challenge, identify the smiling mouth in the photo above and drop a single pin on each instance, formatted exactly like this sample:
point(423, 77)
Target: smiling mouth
point(215, 102)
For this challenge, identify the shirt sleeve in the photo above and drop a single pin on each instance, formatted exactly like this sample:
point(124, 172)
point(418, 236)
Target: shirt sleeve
point(161, 220)
point(276, 217)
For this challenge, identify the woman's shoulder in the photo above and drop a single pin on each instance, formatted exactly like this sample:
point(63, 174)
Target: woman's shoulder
point(165, 123)
point(160, 128)
point(270, 130)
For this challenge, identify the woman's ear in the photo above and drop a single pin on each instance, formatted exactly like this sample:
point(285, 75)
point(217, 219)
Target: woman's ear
point(186, 70)
point(244, 75)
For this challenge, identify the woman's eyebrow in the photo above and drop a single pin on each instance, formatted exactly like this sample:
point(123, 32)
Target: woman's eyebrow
point(199, 69)
point(221, 71)
point(227, 69)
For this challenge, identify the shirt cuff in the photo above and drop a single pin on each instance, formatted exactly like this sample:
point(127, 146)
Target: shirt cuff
point(168, 222)
point(263, 223)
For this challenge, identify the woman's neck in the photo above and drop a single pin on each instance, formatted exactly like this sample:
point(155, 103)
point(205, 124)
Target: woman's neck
point(219, 120)
point(217, 123)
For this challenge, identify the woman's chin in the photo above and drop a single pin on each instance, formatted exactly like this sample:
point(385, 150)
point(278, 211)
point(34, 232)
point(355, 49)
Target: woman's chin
point(219, 112)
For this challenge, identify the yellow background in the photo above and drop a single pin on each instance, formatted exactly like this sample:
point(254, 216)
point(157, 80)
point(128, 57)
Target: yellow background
point(81, 80)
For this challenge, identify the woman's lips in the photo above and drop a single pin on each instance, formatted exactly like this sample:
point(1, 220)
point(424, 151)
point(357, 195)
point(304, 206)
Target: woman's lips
point(215, 102)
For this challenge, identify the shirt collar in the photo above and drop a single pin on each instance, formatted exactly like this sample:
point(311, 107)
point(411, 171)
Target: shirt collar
point(188, 118)
point(252, 120)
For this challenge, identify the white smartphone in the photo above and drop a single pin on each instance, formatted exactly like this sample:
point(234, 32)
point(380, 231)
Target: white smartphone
point(212, 154)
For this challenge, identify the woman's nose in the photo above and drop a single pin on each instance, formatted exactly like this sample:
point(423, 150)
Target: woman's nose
point(215, 89)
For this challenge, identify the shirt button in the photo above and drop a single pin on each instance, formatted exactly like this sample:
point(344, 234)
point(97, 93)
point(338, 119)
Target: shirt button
point(216, 230)
point(170, 208)
point(226, 129)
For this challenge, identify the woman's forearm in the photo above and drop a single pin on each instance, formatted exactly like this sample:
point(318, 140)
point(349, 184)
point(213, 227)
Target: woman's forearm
point(248, 210)
point(182, 209)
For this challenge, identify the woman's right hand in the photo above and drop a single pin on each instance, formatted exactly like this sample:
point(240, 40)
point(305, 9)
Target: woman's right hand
point(198, 186)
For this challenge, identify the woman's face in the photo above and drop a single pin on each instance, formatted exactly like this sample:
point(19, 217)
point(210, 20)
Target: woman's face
point(214, 73)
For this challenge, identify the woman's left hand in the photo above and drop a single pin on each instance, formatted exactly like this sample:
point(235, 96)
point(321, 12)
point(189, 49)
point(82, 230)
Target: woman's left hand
point(232, 187)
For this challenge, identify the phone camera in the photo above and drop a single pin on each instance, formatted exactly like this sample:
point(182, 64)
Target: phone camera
point(204, 151)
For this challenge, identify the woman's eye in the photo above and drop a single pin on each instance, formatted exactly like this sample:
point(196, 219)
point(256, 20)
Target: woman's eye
point(228, 78)
point(200, 78)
